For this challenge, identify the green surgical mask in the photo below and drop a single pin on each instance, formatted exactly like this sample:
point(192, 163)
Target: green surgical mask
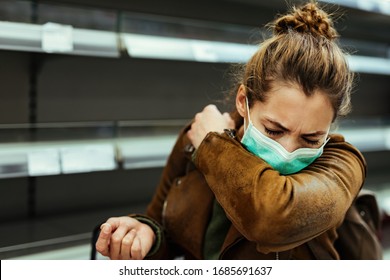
point(275, 154)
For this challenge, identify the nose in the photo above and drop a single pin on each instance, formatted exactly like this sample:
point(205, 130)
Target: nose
point(289, 144)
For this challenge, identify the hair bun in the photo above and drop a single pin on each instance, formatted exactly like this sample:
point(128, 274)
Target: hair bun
point(307, 19)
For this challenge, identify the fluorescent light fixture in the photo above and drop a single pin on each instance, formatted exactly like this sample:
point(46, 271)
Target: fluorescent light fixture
point(43, 162)
point(370, 65)
point(18, 160)
point(67, 40)
point(36, 38)
point(383, 196)
point(146, 152)
point(57, 37)
point(158, 47)
point(95, 43)
point(20, 36)
point(54, 158)
point(222, 52)
point(380, 6)
point(387, 132)
point(147, 46)
point(368, 139)
point(87, 158)
point(13, 164)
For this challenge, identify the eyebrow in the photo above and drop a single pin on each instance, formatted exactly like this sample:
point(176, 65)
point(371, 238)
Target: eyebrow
point(280, 126)
point(277, 124)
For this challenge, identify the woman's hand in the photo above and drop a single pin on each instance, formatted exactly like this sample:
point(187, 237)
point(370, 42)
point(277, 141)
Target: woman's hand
point(125, 238)
point(210, 119)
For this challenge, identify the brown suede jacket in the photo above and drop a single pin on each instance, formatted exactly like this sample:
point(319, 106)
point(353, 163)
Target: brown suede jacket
point(272, 215)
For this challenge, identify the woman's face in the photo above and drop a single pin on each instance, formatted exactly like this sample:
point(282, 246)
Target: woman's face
point(289, 116)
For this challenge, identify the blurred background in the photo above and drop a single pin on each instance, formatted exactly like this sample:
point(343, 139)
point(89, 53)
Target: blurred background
point(94, 92)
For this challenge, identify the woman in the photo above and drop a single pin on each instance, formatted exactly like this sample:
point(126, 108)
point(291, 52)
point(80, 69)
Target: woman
point(262, 182)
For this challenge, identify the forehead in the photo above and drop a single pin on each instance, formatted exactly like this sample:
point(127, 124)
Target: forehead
point(289, 106)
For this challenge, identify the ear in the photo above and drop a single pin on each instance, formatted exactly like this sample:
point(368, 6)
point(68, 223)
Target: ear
point(241, 101)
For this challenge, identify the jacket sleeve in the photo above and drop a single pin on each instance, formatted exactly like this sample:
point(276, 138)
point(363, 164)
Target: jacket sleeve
point(281, 212)
point(175, 167)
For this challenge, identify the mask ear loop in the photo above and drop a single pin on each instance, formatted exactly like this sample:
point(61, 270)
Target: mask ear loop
point(326, 140)
point(247, 109)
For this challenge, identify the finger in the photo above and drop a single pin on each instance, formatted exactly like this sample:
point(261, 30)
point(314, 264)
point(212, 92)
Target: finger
point(116, 242)
point(136, 249)
point(190, 134)
point(211, 107)
point(198, 117)
point(113, 222)
point(230, 121)
point(103, 242)
point(127, 243)
point(227, 116)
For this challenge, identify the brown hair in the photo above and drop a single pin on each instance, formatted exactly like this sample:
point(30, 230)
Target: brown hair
point(303, 51)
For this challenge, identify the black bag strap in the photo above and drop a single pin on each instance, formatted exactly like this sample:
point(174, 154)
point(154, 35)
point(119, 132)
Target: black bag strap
point(94, 238)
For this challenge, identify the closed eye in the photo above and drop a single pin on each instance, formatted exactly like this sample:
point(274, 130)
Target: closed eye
point(273, 132)
point(312, 142)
